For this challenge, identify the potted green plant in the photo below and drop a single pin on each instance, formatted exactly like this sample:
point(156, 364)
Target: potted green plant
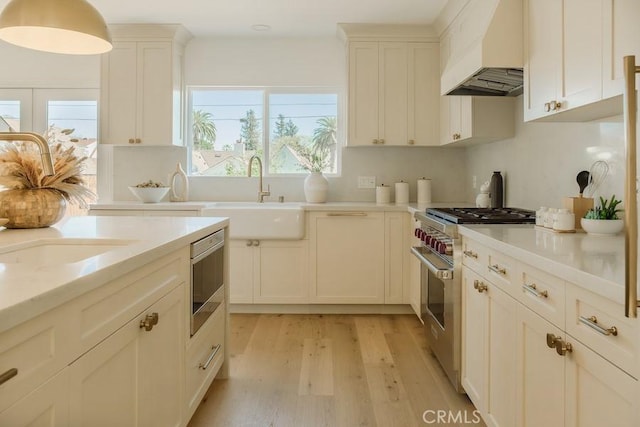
point(603, 219)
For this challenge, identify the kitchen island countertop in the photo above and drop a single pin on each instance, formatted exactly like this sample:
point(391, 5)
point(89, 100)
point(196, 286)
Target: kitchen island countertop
point(593, 262)
point(27, 289)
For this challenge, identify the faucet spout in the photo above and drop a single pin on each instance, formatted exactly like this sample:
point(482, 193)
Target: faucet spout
point(43, 146)
point(261, 192)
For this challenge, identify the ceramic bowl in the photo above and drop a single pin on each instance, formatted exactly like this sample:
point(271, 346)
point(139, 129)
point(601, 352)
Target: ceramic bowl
point(602, 226)
point(149, 194)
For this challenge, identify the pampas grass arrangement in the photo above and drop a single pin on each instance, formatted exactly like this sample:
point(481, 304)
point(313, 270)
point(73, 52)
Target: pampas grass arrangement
point(21, 168)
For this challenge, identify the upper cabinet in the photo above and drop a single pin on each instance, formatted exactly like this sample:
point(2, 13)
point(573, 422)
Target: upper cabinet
point(393, 89)
point(574, 73)
point(141, 85)
point(476, 119)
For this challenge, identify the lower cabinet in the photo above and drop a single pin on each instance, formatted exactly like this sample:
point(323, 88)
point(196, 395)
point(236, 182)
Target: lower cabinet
point(347, 257)
point(488, 340)
point(135, 376)
point(268, 271)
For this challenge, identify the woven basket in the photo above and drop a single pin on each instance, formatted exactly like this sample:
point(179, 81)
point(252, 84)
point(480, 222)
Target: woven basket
point(33, 208)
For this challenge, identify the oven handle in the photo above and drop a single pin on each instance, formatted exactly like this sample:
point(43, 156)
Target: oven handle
point(440, 273)
point(206, 253)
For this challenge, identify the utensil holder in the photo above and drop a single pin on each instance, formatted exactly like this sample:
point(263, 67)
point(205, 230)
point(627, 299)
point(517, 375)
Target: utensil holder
point(579, 206)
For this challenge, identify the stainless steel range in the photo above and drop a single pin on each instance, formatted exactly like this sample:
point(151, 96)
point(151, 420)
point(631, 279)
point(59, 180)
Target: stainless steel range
point(440, 255)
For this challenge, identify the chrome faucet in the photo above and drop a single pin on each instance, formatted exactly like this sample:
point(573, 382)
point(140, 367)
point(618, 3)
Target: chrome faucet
point(43, 146)
point(261, 192)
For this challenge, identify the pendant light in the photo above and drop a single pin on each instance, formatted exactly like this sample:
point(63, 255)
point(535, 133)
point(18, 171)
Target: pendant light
point(58, 26)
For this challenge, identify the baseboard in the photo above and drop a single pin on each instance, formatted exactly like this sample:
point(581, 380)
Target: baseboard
point(322, 308)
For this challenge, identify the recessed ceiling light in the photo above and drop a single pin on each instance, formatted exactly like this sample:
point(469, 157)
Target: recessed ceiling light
point(261, 27)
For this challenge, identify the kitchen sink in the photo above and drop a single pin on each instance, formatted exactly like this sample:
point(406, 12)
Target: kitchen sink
point(42, 253)
point(253, 220)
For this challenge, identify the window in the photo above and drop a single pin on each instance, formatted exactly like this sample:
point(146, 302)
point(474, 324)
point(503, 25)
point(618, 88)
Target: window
point(9, 116)
point(227, 126)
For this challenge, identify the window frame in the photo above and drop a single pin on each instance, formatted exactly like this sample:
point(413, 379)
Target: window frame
point(266, 129)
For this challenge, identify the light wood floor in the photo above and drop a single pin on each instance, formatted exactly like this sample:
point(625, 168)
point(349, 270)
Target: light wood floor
point(329, 370)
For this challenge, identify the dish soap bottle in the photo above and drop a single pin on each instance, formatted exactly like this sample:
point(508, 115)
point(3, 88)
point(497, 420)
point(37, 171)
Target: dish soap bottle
point(496, 190)
point(179, 190)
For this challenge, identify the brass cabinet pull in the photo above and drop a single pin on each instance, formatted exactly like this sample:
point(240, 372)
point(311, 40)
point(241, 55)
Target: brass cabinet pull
point(563, 348)
point(256, 243)
point(456, 136)
point(592, 322)
point(532, 289)
point(547, 107)
point(206, 364)
point(132, 141)
point(138, 140)
point(496, 269)
point(347, 214)
point(479, 286)
point(381, 141)
point(470, 254)
point(149, 321)
point(6, 376)
point(555, 105)
point(249, 242)
point(375, 141)
point(551, 340)
point(411, 142)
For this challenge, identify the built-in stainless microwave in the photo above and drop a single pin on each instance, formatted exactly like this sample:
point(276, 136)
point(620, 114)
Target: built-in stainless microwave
point(207, 278)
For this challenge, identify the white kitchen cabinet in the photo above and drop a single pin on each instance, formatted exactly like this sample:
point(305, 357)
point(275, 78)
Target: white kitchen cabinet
point(393, 93)
point(268, 271)
point(136, 376)
point(347, 257)
point(476, 119)
point(141, 85)
point(621, 35)
point(489, 335)
point(394, 256)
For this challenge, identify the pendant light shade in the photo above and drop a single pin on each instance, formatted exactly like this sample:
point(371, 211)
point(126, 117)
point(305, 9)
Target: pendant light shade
point(59, 26)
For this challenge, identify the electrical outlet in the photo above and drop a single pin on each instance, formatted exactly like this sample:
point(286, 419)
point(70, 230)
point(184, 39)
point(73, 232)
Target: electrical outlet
point(474, 182)
point(366, 182)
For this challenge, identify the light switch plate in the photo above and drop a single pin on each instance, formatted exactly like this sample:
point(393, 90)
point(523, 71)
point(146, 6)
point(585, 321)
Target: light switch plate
point(366, 182)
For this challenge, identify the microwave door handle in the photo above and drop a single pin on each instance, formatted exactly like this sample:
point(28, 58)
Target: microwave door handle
point(440, 273)
point(206, 253)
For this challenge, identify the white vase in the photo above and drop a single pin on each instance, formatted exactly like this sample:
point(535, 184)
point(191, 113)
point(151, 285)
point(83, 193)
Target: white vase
point(316, 188)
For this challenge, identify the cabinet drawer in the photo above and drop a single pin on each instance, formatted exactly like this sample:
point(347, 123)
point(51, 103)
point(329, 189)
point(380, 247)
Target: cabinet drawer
point(202, 364)
point(474, 256)
point(600, 324)
point(542, 293)
point(104, 310)
point(37, 349)
point(501, 270)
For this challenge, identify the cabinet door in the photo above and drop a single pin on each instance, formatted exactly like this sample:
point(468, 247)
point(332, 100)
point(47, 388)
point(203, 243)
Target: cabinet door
point(424, 94)
point(621, 35)
point(363, 93)
point(394, 253)
point(47, 406)
point(283, 273)
point(581, 81)
point(540, 385)
point(475, 338)
point(393, 93)
point(598, 393)
point(241, 271)
point(542, 54)
point(154, 115)
point(118, 96)
point(347, 257)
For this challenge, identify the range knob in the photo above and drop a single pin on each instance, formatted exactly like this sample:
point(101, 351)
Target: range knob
point(417, 232)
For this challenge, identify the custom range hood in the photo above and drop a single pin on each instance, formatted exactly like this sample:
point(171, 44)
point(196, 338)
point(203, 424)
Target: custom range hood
point(486, 56)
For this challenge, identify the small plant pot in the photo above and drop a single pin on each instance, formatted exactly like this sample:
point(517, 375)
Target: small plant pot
point(602, 226)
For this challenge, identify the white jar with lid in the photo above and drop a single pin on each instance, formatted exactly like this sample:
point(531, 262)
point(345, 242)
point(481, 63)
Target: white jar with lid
point(550, 217)
point(541, 215)
point(565, 220)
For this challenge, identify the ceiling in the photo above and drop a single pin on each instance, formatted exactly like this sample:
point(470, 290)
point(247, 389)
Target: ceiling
point(287, 18)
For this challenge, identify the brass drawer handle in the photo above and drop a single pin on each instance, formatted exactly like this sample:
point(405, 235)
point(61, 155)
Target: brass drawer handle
point(470, 254)
point(149, 321)
point(6, 376)
point(496, 269)
point(592, 322)
point(532, 289)
point(551, 340)
point(347, 214)
point(480, 286)
point(206, 364)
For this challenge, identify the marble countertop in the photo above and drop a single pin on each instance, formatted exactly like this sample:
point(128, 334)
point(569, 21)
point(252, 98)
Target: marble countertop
point(593, 262)
point(27, 290)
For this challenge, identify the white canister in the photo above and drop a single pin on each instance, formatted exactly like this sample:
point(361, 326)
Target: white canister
point(550, 217)
point(402, 193)
point(540, 216)
point(383, 194)
point(424, 190)
point(565, 220)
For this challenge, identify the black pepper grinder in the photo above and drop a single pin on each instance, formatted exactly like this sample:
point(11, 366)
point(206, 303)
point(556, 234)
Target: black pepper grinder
point(496, 190)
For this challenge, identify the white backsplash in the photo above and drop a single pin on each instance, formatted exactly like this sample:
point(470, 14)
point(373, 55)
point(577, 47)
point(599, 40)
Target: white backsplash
point(539, 166)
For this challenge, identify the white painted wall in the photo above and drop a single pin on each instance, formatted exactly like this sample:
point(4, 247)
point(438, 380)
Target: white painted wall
point(540, 164)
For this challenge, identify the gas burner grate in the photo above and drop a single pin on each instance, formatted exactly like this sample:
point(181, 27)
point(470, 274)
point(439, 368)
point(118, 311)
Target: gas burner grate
point(483, 215)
